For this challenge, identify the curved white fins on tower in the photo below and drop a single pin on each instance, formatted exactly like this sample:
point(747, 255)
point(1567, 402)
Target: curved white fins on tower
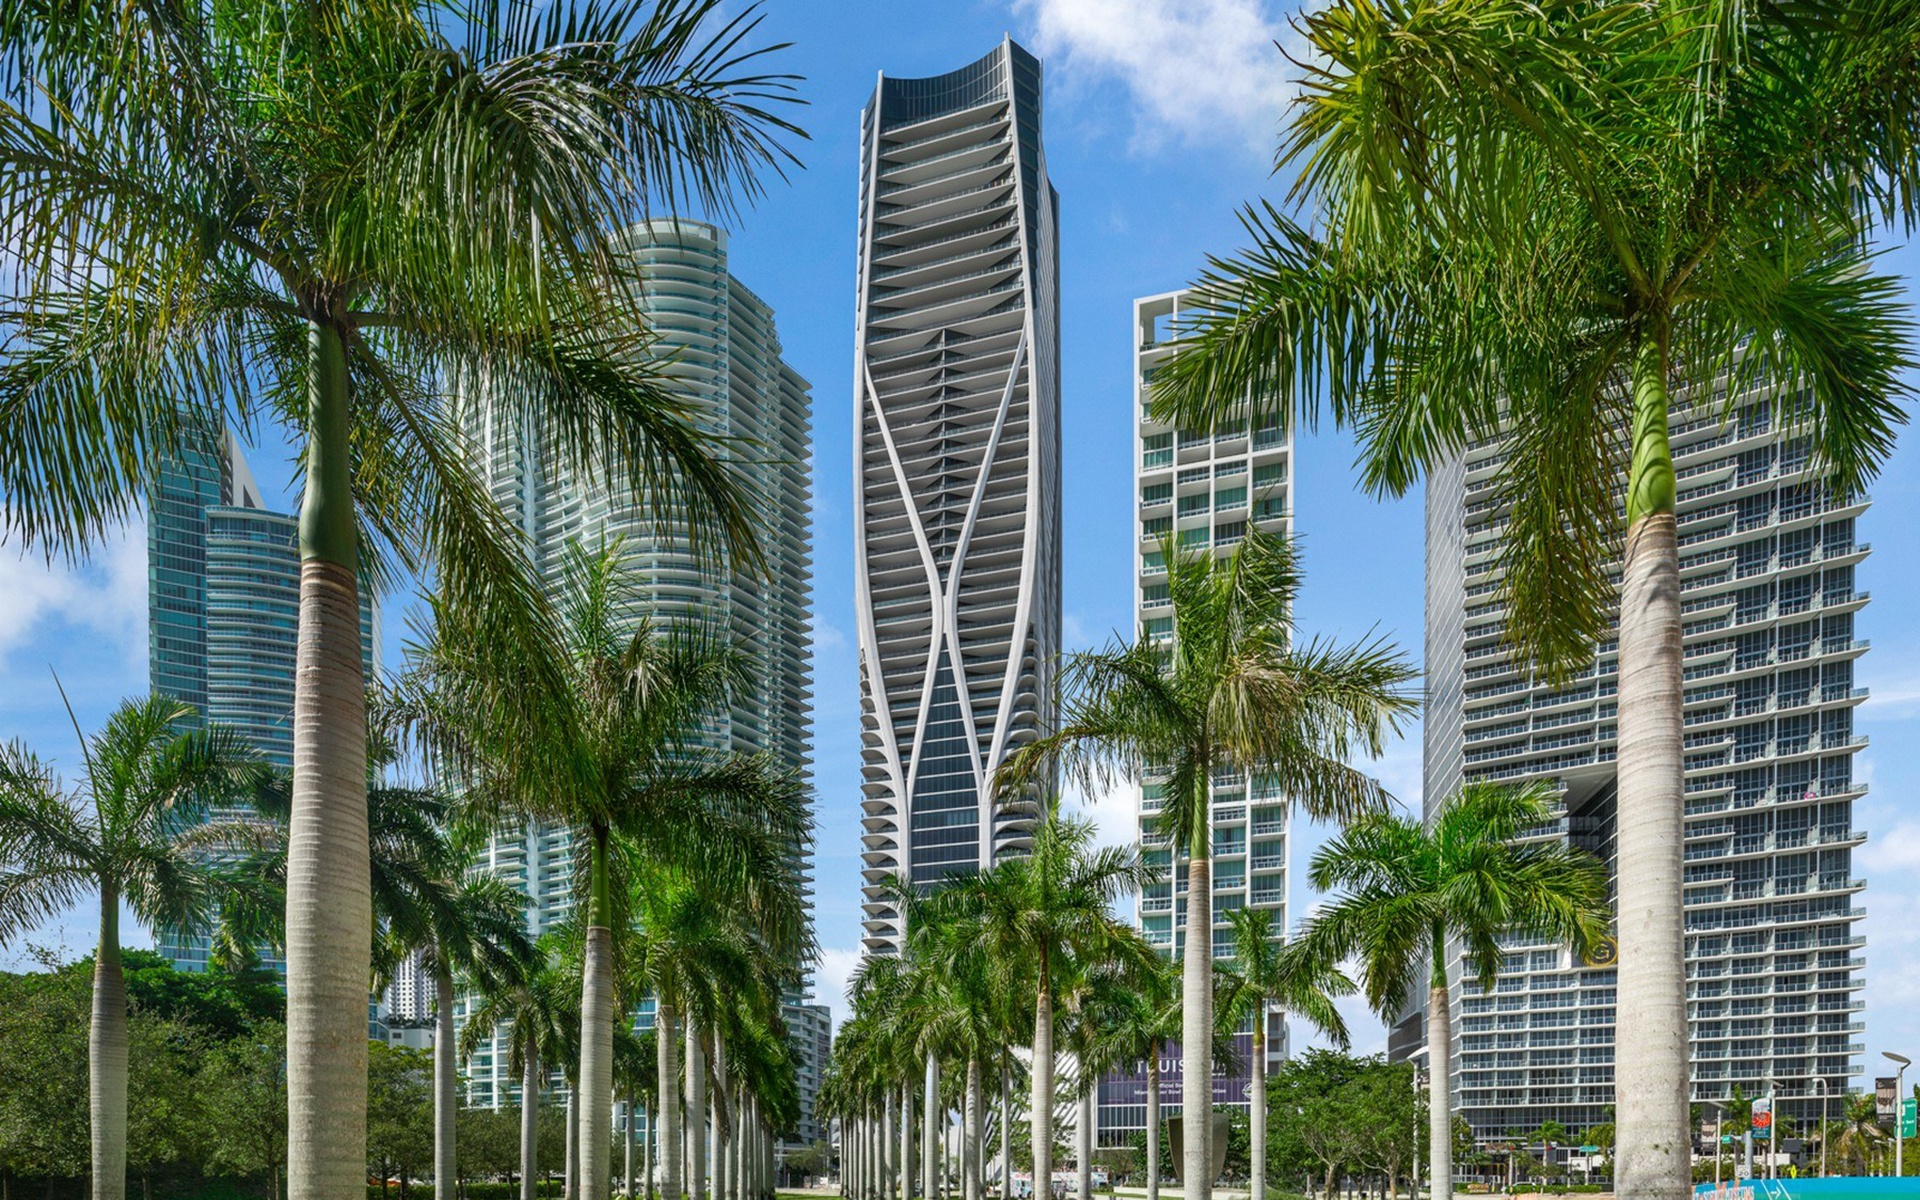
point(956, 467)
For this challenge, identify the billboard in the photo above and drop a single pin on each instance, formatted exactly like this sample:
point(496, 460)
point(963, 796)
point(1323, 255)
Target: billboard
point(1885, 1088)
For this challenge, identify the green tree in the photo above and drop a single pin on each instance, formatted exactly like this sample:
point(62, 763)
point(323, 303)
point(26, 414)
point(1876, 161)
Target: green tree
point(43, 1072)
point(604, 733)
point(399, 1113)
point(167, 1125)
point(1409, 891)
point(353, 217)
point(1259, 977)
point(117, 838)
point(244, 1082)
point(1235, 689)
point(1566, 226)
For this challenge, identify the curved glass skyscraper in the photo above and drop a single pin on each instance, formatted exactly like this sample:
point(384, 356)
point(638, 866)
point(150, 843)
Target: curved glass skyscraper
point(956, 466)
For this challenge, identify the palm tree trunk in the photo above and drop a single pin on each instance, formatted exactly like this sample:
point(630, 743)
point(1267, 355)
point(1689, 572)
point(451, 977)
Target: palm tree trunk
point(668, 1061)
point(1083, 1136)
point(595, 1106)
point(530, 1125)
point(571, 1189)
point(1196, 1021)
point(1153, 1124)
point(906, 1140)
point(1257, 1107)
point(696, 1112)
point(651, 1114)
point(627, 1167)
point(930, 1122)
point(972, 1149)
point(1006, 1133)
point(329, 910)
point(721, 1121)
point(445, 1078)
point(107, 1057)
point(1650, 1067)
point(1041, 1117)
point(1439, 1089)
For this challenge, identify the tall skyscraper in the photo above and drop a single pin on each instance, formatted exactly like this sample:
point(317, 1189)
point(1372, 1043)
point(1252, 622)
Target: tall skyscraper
point(1773, 955)
point(956, 466)
point(1207, 488)
point(223, 606)
point(723, 353)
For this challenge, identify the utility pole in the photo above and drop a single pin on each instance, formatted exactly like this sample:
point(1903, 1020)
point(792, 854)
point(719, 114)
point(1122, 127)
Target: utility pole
point(1899, 1110)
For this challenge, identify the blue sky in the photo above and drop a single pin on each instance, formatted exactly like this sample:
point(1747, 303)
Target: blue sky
point(1159, 123)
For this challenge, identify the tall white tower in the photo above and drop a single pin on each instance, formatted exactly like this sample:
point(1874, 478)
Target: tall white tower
point(956, 466)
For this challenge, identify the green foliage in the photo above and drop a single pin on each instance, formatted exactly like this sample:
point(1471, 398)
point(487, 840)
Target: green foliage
point(1330, 1114)
point(399, 1111)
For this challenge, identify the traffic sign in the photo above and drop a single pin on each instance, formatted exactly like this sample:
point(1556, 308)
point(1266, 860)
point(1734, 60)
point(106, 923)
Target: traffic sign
point(1907, 1117)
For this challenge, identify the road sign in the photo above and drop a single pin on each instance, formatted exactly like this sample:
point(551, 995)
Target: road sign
point(1907, 1117)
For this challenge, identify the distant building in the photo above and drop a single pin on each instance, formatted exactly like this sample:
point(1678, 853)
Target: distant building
point(223, 606)
point(1206, 488)
point(723, 353)
point(956, 467)
point(1773, 948)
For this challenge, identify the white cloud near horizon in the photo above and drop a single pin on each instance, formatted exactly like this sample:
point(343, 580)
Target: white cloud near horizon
point(1203, 71)
point(106, 594)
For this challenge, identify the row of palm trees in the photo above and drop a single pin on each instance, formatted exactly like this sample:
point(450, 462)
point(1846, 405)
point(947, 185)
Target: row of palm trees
point(1029, 953)
point(353, 219)
point(1564, 227)
point(690, 891)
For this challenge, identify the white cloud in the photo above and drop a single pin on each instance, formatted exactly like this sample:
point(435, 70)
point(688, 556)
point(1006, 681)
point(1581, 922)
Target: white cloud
point(105, 595)
point(836, 967)
point(1205, 70)
point(1113, 812)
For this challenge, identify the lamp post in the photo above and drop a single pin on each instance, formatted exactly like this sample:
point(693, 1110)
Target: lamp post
point(1899, 1108)
point(1718, 1113)
point(1825, 1093)
point(1773, 1131)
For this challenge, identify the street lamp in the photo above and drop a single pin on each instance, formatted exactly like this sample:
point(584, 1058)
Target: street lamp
point(1773, 1130)
point(1718, 1113)
point(1899, 1108)
point(1825, 1092)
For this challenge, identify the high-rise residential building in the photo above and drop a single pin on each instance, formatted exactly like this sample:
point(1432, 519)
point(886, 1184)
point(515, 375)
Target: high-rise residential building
point(223, 603)
point(718, 344)
point(956, 467)
point(1205, 488)
point(1773, 953)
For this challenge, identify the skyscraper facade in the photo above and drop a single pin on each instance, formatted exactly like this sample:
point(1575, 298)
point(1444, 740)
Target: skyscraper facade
point(719, 346)
point(956, 466)
point(1768, 598)
point(223, 605)
point(1205, 488)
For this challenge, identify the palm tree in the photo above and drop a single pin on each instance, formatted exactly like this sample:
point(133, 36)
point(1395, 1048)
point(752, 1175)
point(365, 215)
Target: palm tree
point(613, 748)
point(636, 1078)
point(1231, 691)
point(327, 213)
point(1149, 1018)
point(1409, 891)
point(117, 835)
point(1260, 976)
point(457, 922)
point(1532, 223)
point(540, 1008)
point(1860, 1134)
point(1033, 917)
